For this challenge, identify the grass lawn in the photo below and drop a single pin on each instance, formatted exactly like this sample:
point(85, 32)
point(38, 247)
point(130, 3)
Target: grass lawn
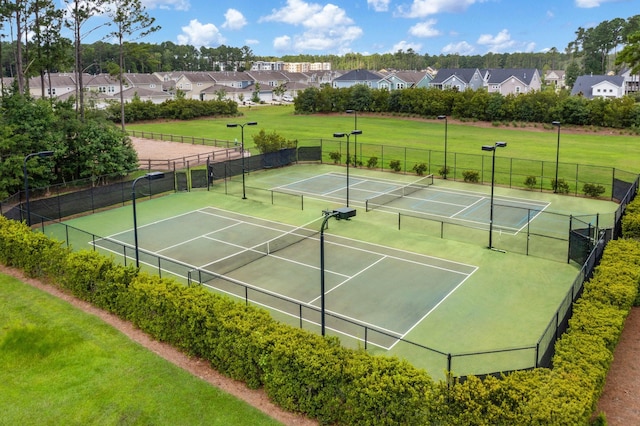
point(533, 143)
point(62, 366)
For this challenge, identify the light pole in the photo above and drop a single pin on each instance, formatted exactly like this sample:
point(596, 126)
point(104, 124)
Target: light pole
point(341, 213)
point(341, 135)
point(40, 154)
point(493, 174)
point(148, 176)
point(355, 138)
point(555, 185)
point(251, 123)
point(446, 125)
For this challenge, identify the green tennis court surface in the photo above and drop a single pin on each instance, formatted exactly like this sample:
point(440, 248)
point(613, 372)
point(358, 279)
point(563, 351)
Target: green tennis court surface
point(422, 199)
point(385, 289)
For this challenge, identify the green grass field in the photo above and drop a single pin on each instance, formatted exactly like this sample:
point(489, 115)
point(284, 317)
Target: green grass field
point(62, 366)
point(531, 143)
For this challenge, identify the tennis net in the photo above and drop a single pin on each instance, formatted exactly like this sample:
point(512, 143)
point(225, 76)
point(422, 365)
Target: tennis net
point(396, 193)
point(236, 261)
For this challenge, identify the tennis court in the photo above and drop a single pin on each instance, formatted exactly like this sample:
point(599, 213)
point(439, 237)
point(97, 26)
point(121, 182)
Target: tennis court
point(386, 290)
point(422, 199)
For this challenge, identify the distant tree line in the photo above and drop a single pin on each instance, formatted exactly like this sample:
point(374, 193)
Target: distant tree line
point(536, 106)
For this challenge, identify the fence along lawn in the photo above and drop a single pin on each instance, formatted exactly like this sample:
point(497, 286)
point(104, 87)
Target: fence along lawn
point(533, 142)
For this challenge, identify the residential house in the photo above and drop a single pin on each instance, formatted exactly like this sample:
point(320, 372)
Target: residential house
point(604, 86)
point(351, 78)
point(144, 81)
point(631, 82)
point(405, 80)
point(512, 81)
point(458, 78)
point(55, 85)
point(101, 83)
point(193, 83)
point(555, 78)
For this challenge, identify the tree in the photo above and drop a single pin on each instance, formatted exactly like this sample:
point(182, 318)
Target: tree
point(630, 54)
point(572, 73)
point(130, 19)
point(79, 14)
point(271, 142)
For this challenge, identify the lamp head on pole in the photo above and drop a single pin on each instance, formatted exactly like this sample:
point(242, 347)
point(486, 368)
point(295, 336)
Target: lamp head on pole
point(351, 111)
point(488, 148)
point(501, 144)
point(251, 123)
point(356, 132)
point(232, 125)
point(556, 123)
point(45, 153)
point(442, 117)
point(339, 135)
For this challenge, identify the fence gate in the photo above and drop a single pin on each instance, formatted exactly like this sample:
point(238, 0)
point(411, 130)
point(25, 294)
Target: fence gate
point(181, 181)
point(581, 240)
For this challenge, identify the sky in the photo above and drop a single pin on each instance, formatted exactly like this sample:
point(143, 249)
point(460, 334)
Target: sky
point(433, 27)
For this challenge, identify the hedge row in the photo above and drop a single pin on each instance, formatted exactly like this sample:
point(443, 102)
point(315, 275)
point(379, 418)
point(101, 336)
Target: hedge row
point(306, 373)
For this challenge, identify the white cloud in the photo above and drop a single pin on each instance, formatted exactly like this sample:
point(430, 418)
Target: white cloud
point(530, 47)
point(425, 29)
point(379, 5)
point(498, 43)
point(251, 42)
point(422, 8)
point(326, 27)
point(198, 34)
point(167, 4)
point(404, 46)
point(462, 48)
point(234, 20)
point(282, 43)
point(587, 4)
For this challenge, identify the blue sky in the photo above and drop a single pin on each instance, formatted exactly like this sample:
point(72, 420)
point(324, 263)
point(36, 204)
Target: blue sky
point(466, 27)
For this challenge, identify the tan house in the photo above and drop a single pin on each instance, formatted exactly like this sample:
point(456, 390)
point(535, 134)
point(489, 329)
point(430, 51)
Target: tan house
point(512, 81)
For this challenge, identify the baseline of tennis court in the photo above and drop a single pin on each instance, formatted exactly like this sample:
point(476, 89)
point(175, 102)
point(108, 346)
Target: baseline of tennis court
point(366, 285)
point(422, 199)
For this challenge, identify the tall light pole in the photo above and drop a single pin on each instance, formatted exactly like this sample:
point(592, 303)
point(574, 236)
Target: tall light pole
point(446, 171)
point(40, 154)
point(148, 176)
point(341, 213)
point(341, 135)
point(557, 124)
point(355, 138)
point(493, 174)
point(250, 123)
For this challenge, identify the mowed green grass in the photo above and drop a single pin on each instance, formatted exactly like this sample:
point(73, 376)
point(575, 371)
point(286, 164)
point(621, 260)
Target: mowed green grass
point(533, 142)
point(61, 366)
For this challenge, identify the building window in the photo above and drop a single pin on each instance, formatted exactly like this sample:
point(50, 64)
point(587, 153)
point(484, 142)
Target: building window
point(152, 86)
point(112, 89)
point(52, 91)
point(518, 90)
point(102, 89)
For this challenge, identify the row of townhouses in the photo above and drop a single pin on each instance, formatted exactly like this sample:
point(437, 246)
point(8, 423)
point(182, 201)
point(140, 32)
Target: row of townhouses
point(242, 87)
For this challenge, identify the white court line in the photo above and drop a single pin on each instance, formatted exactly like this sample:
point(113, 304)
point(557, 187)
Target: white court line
point(432, 309)
point(468, 207)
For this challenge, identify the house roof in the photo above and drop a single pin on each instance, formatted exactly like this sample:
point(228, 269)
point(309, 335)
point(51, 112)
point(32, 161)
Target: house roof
point(137, 78)
point(499, 75)
point(584, 83)
point(464, 74)
point(360, 75)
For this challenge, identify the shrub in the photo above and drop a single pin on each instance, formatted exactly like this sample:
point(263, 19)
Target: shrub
point(530, 182)
point(472, 176)
point(335, 156)
point(444, 172)
point(560, 187)
point(420, 169)
point(593, 190)
point(395, 165)
point(372, 162)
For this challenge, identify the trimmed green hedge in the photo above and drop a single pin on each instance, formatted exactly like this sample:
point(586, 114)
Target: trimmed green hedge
point(306, 373)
